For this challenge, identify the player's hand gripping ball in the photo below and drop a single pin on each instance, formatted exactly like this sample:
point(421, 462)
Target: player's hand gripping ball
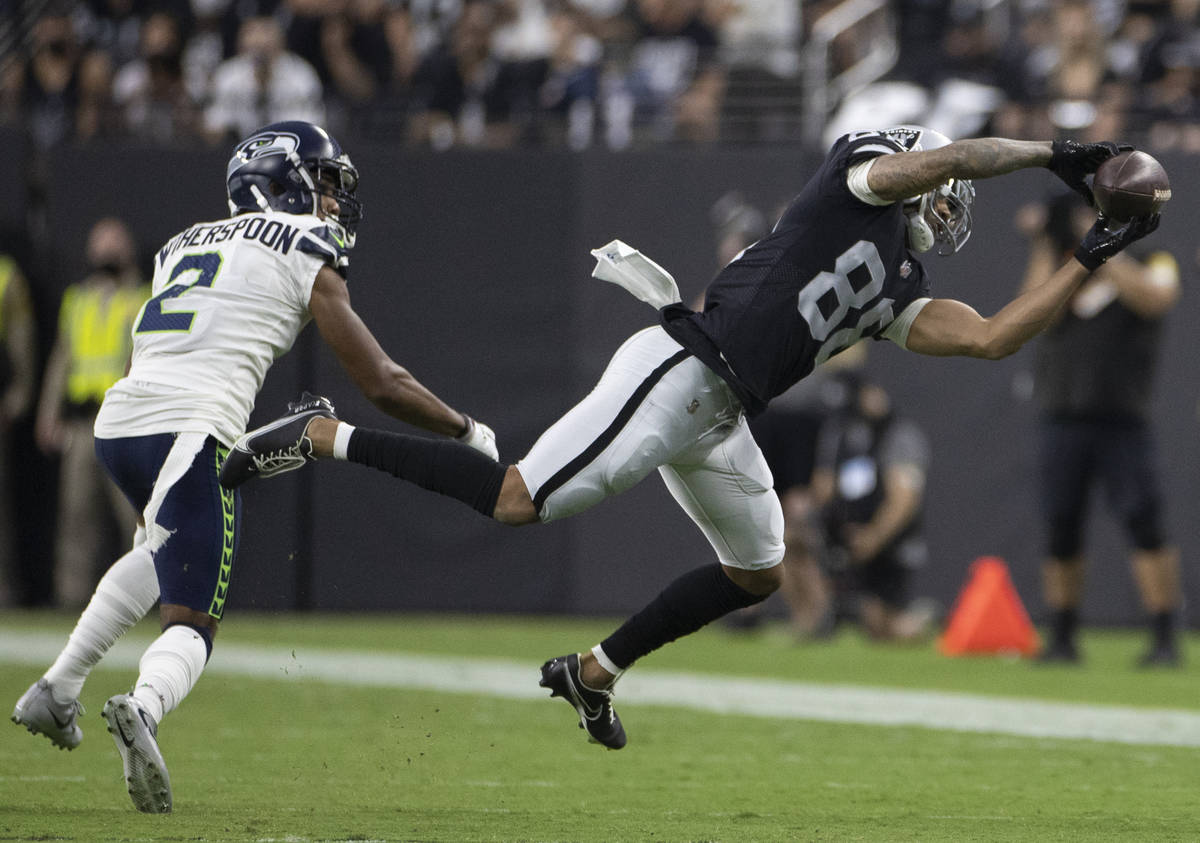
point(1131, 184)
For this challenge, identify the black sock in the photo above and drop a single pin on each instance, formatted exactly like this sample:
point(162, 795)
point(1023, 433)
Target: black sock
point(1163, 626)
point(693, 600)
point(1066, 621)
point(440, 465)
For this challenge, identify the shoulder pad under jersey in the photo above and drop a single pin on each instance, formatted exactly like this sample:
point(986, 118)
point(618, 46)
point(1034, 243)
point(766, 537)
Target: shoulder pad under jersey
point(327, 243)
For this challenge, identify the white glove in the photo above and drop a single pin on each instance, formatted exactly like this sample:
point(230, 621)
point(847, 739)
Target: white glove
point(480, 437)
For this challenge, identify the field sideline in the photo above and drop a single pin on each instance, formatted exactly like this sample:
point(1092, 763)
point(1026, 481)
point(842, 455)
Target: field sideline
point(753, 697)
point(432, 728)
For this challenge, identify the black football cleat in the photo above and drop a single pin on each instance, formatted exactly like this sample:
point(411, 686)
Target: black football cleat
point(596, 714)
point(278, 446)
point(1161, 655)
point(1060, 652)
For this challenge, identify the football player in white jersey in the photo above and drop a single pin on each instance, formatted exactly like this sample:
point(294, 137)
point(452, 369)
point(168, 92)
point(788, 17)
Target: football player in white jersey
point(840, 265)
point(228, 297)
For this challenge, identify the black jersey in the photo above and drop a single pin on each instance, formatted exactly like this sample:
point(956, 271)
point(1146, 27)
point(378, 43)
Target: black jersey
point(1098, 367)
point(834, 269)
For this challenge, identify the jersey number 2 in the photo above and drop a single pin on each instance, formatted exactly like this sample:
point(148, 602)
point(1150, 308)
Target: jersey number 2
point(155, 319)
point(861, 254)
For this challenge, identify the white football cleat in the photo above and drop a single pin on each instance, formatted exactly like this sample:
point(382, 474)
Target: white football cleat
point(41, 714)
point(136, 736)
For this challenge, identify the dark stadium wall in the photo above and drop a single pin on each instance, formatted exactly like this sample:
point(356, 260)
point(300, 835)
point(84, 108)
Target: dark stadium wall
point(473, 270)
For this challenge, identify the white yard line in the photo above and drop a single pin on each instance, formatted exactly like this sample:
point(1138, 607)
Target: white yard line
point(716, 693)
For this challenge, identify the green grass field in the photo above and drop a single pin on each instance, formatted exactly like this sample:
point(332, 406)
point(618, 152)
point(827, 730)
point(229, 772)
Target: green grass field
point(284, 756)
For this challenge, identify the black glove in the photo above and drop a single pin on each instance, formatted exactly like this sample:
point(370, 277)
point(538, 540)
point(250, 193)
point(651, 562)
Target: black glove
point(1071, 161)
point(1102, 242)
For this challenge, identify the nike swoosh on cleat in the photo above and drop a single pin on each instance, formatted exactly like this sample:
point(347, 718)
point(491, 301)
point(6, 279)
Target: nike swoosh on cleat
point(588, 712)
point(121, 732)
point(62, 724)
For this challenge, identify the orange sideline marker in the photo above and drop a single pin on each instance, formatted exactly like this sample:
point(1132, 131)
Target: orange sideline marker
point(988, 616)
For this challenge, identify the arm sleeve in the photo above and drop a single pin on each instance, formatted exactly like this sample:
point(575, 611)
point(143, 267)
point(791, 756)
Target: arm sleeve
point(897, 330)
point(856, 180)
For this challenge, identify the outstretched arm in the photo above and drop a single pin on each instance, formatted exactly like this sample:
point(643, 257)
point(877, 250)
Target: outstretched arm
point(387, 384)
point(901, 176)
point(945, 327)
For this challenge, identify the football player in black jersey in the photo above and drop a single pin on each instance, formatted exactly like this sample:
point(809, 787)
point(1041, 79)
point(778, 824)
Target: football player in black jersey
point(840, 265)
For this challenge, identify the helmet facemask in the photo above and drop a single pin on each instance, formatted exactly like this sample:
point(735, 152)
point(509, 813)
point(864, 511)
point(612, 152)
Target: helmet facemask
point(941, 217)
point(337, 178)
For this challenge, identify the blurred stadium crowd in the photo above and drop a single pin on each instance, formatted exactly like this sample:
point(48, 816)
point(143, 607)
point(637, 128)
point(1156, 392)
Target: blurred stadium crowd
point(612, 73)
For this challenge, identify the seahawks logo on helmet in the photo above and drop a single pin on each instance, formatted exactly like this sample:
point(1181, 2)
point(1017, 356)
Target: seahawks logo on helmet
point(268, 144)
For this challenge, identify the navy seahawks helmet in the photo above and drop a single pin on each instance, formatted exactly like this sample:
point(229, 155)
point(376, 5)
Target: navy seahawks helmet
point(287, 167)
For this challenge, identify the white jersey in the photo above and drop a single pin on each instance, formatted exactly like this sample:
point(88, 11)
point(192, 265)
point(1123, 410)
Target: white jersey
point(228, 298)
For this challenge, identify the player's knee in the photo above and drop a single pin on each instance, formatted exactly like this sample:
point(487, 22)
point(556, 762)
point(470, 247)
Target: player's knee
point(514, 506)
point(174, 614)
point(1145, 529)
point(761, 582)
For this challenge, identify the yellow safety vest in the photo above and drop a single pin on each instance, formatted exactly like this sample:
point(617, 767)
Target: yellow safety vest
point(98, 324)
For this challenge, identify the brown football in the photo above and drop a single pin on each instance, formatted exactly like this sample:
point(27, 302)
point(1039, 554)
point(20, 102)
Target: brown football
point(1131, 184)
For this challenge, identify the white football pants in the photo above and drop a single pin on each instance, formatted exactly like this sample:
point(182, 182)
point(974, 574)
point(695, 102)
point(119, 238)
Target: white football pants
point(657, 406)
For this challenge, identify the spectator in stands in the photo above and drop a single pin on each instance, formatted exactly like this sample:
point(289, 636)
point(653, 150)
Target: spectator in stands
point(385, 112)
point(262, 84)
point(356, 50)
point(95, 115)
point(90, 354)
point(765, 34)
point(1170, 105)
point(674, 77)
point(760, 46)
point(1058, 83)
point(463, 92)
point(357, 61)
point(204, 48)
point(303, 22)
point(18, 361)
point(571, 86)
point(522, 30)
point(48, 90)
point(1094, 373)
point(114, 26)
point(150, 92)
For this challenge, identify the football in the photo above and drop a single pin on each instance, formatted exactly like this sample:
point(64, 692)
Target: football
point(1131, 184)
